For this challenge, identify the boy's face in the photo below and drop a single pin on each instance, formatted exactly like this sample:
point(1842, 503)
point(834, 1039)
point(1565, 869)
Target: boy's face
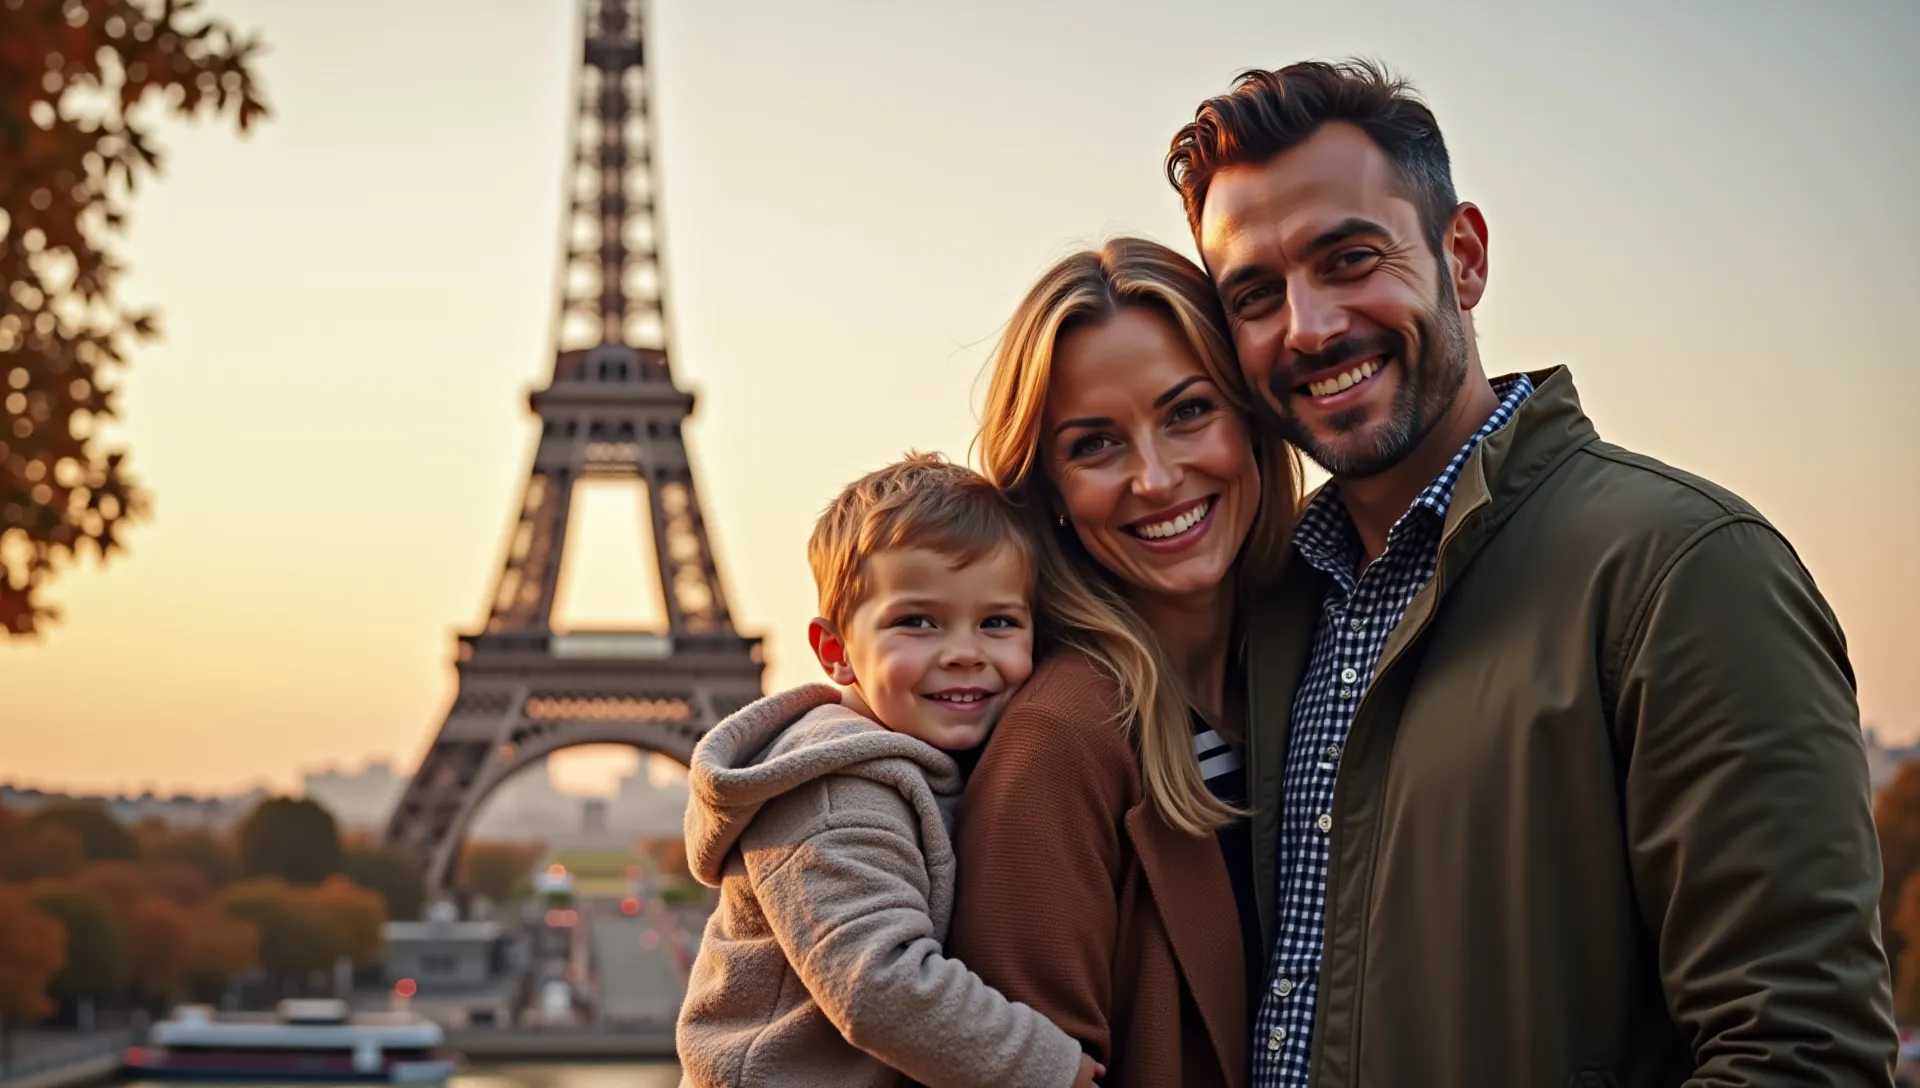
point(935, 651)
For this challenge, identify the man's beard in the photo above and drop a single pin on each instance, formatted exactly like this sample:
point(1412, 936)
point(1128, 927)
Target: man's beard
point(1428, 385)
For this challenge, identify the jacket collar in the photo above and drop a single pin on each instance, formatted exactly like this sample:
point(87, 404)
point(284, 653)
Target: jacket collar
point(1548, 428)
point(1325, 537)
point(1502, 471)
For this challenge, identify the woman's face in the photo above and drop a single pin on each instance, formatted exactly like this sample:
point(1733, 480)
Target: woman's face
point(1153, 468)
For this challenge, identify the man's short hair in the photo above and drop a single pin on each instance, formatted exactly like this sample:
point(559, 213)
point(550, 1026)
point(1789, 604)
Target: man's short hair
point(1268, 112)
point(923, 501)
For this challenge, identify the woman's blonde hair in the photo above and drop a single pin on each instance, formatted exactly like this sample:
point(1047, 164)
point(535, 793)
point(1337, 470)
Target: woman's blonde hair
point(1081, 604)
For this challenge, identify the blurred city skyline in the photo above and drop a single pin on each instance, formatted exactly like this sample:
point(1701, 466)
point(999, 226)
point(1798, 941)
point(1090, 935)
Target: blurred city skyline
point(1704, 210)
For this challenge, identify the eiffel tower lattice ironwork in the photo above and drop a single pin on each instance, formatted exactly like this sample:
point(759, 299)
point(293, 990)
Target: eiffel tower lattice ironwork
point(610, 409)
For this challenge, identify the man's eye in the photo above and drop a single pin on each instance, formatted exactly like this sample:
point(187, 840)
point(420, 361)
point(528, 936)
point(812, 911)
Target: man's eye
point(1349, 259)
point(1253, 298)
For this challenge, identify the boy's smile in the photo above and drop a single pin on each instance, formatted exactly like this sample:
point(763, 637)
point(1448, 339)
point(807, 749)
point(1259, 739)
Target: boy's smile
point(935, 650)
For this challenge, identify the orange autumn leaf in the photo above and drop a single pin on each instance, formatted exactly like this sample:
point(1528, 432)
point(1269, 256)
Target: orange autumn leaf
point(73, 150)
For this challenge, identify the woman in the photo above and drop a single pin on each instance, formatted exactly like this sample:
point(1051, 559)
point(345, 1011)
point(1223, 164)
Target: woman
point(1103, 862)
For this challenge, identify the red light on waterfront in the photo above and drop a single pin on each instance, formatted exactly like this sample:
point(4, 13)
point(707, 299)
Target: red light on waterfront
point(629, 906)
point(561, 919)
point(556, 870)
point(406, 987)
point(135, 1056)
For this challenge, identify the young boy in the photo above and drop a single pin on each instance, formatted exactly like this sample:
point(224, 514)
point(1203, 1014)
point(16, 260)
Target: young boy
point(822, 813)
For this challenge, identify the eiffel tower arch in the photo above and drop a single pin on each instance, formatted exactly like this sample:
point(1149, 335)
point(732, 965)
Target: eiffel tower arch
point(609, 409)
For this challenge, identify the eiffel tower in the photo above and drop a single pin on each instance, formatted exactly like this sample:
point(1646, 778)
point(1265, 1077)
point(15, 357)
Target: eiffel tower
point(609, 409)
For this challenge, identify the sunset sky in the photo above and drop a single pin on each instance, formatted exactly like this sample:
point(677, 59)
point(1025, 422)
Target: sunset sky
point(1707, 210)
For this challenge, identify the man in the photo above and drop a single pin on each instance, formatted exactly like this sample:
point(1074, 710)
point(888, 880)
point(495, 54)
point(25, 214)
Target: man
point(1553, 750)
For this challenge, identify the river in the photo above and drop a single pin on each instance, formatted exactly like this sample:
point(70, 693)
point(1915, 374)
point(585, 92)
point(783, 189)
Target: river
point(585, 1075)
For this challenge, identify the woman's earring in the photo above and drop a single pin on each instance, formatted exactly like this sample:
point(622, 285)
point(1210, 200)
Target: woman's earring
point(1061, 520)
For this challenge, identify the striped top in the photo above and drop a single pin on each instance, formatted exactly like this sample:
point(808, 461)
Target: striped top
point(1226, 777)
point(1220, 765)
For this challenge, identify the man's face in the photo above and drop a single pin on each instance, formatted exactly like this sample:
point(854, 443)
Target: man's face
point(1344, 319)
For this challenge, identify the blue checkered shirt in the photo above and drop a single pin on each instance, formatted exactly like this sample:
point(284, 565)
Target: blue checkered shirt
point(1355, 620)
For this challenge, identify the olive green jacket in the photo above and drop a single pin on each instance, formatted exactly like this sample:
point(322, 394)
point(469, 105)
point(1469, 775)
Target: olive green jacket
point(1603, 816)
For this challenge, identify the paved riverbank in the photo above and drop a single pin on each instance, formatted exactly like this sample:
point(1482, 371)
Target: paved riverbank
point(54, 1059)
point(529, 1044)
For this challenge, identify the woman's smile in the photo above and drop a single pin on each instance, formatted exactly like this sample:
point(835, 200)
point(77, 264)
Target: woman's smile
point(1177, 531)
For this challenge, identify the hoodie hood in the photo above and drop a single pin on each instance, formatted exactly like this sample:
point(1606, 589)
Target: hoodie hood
point(782, 742)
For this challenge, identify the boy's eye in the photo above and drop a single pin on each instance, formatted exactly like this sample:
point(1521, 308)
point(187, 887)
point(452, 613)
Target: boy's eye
point(917, 620)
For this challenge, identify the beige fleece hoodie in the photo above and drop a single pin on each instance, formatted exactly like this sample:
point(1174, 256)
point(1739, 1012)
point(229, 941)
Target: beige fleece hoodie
point(822, 966)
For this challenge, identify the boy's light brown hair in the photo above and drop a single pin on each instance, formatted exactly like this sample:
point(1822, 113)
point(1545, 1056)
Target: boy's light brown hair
point(923, 501)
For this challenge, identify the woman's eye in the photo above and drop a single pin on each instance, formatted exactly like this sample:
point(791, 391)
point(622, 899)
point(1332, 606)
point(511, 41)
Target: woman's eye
point(1000, 622)
point(1088, 444)
point(1191, 409)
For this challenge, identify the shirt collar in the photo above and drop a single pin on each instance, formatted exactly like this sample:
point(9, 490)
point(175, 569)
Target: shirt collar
point(1325, 536)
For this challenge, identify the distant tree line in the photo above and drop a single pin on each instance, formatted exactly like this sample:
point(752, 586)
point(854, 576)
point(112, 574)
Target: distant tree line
point(95, 912)
point(1896, 815)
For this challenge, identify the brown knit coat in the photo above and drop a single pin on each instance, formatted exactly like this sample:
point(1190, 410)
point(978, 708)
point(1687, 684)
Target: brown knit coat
point(1077, 899)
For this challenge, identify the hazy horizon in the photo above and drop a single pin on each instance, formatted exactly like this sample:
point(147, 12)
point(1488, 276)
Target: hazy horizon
point(1705, 211)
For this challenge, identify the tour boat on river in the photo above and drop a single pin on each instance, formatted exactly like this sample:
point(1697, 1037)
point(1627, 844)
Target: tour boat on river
point(302, 1040)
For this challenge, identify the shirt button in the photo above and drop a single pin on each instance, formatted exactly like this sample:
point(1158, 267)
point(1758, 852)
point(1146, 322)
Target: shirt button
point(1346, 693)
point(1273, 1039)
point(1333, 753)
point(1348, 676)
point(1355, 625)
point(1324, 823)
point(1283, 987)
